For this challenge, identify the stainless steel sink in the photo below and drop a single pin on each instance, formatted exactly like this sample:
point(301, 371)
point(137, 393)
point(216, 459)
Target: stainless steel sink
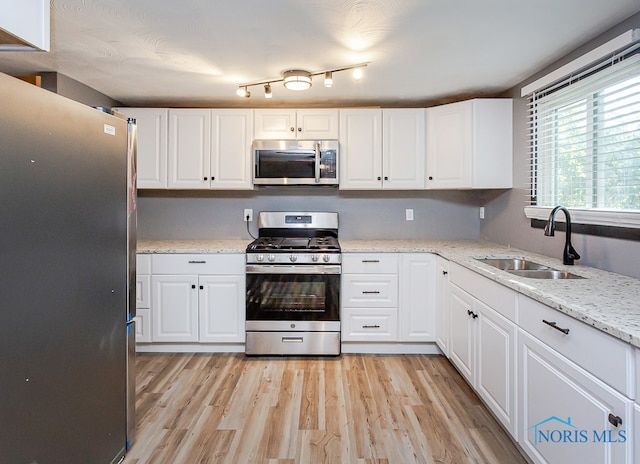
point(509, 264)
point(544, 274)
point(525, 268)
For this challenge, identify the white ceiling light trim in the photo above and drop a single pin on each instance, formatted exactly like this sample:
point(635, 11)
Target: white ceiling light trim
point(297, 79)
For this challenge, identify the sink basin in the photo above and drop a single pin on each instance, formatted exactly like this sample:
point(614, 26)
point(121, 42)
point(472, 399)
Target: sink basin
point(544, 274)
point(508, 264)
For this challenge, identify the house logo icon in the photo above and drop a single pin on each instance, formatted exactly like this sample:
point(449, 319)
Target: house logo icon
point(543, 430)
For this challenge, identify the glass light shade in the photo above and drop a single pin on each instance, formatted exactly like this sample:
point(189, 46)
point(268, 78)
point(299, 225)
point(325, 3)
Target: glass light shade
point(297, 79)
point(357, 73)
point(328, 79)
point(267, 91)
point(241, 92)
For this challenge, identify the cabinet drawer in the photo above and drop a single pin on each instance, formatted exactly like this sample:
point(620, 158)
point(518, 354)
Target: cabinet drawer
point(370, 290)
point(367, 325)
point(370, 263)
point(605, 357)
point(498, 297)
point(227, 264)
point(143, 291)
point(143, 264)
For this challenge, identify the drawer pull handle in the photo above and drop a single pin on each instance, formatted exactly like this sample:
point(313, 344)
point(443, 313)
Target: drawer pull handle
point(371, 292)
point(197, 262)
point(555, 326)
point(370, 260)
point(472, 314)
point(445, 272)
point(371, 326)
point(615, 420)
point(292, 339)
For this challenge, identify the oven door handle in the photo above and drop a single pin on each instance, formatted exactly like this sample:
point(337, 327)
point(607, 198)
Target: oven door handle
point(286, 269)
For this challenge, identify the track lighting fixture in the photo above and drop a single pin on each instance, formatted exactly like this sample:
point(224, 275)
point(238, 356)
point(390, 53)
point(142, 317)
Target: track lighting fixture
point(299, 79)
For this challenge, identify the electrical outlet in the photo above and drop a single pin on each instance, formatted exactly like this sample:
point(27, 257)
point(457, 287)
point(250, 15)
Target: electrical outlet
point(408, 214)
point(482, 212)
point(248, 213)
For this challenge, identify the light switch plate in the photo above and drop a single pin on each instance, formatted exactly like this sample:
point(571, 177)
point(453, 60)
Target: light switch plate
point(409, 214)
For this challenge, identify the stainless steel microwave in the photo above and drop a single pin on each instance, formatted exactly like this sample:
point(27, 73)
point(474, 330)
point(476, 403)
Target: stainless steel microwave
point(295, 162)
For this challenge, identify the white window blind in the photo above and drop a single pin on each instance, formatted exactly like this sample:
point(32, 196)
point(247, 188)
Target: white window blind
point(584, 139)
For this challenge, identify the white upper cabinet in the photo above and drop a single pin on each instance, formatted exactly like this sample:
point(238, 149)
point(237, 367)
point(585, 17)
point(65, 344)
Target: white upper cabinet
point(360, 149)
point(403, 151)
point(151, 156)
point(278, 124)
point(210, 149)
point(382, 149)
point(189, 148)
point(231, 137)
point(469, 145)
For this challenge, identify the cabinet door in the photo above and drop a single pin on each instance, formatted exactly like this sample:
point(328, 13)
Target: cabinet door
point(462, 332)
point(174, 303)
point(231, 137)
point(189, 148)
point(317, 124)
point(495, 376)
point(143, 325)
point(564, 411)
point(151, 156)
point(442, 305)
point(275, 124)
point(403, 149)
point(417, 299)
point(449, 139)
point(360, 149)
point(222, 308)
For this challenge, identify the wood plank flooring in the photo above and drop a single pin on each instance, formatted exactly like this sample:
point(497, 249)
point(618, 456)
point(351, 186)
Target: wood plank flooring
point(363, 409)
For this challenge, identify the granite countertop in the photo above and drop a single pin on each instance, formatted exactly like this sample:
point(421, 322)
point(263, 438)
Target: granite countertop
point(605, 300)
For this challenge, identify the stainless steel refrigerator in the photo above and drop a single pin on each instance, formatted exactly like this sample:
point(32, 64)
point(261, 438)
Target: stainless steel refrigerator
point(67, 282)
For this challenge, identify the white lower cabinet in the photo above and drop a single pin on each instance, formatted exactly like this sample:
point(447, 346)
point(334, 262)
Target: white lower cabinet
point(197, 298)
point(221, 308)
point(175, 308)
point(636, 435)
point(566, 414)
point(482, 342)
point(442, 305)
point(143, 299)
point(388, 297)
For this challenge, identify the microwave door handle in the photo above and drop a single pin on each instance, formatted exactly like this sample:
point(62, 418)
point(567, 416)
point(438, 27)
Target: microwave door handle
point(317, 150)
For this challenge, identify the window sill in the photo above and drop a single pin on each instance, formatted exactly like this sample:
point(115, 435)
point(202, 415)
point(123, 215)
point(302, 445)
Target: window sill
point(588, 222)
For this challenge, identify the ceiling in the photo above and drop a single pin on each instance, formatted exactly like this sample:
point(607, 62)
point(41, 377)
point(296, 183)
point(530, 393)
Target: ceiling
point(197, 52)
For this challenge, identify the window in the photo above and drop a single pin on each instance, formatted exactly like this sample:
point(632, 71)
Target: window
point(585, 144)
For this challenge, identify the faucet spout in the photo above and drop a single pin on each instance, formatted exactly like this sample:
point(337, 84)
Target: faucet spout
point(569, 253)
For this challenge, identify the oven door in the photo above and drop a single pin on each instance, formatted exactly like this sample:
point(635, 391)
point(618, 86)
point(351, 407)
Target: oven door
point(303, 293)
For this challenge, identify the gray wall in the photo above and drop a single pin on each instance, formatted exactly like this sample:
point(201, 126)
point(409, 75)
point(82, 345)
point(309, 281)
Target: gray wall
point(505, 221)
point(363, 215)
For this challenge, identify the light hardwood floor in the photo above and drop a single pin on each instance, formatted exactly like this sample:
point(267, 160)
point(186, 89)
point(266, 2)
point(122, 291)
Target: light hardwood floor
point(227, 408)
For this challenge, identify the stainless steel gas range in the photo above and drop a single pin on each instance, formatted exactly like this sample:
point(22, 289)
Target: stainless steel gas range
point(293, 285)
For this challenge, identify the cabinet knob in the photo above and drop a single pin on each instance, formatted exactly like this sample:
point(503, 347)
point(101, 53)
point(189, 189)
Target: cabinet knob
point(193, 286)
point(379, 178)
point(445, 272)
point(615, 420)
point(201, 287)
point(206, 178)
point(299, 129)
point(213, 178)
point(292, 129)
point(430, 177)
point(386, 178)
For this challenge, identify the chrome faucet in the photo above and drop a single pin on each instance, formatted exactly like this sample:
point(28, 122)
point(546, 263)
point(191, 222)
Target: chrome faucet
point(569, 253)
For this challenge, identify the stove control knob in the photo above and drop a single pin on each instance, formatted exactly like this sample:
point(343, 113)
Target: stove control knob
point(260, 258)
point(315, 258)
point(271, 257)
point(325, 258)
point(293, 258)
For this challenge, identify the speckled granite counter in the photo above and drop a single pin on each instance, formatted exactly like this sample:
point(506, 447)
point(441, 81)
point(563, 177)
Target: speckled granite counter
point(607, 301)
point(192, 246)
